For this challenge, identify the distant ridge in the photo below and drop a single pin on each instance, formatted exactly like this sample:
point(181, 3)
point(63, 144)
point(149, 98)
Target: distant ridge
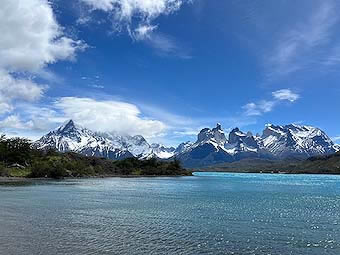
point(212, 146)
point(276, 142)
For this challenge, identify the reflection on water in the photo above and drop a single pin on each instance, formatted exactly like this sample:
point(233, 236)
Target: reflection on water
point(211, 213)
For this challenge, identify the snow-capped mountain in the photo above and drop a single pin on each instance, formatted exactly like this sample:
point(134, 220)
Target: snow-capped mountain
point(277, 142)
point(296, 140)
point(72, 137)
point(161, 151)
point(212, 145)
point(183, 147)
point(240, 142)
point(208, 149)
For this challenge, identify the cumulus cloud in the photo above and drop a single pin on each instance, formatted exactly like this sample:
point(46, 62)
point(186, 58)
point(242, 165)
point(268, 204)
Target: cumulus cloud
point(16, 89)
point(30, 40)
point(264, 106)
point(135, 15)
point(109, 116)
point(31, 37)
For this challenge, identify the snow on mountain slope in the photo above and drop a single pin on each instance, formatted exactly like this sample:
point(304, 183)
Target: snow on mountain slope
point(276, 142)
point(211, 146)
point(296, 140)
point(208, 149)
point(215, 136)
point(183, 147)
point(162, 152)
point(72, 137)
point(240, 142)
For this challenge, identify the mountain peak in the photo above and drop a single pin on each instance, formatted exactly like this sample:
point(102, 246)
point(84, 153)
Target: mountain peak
point(212, 135)
point(235, 130)
point(68, 125)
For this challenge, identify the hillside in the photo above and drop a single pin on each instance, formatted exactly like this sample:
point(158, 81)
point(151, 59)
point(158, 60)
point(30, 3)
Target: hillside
point(19, 159)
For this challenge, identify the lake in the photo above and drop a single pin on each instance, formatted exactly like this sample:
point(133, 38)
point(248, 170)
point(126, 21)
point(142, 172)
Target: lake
point(210, 213)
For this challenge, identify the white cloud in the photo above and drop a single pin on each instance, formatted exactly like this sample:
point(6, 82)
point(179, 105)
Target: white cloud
point(286, 94)
point(30, 40)
point(126, 9)
point(135, 15)
point(188, 132)
point(251, 109)
point(16, 89)
point(256, 109)
point(14, 122)
point(109, 116)
point(105, 5)
point(143, 32)
point(303, 45)
point(98, 115)
point(5, 107)
point(264, 106)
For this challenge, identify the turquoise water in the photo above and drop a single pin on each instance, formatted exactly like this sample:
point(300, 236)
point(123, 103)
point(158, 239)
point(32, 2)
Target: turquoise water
point(210, 213)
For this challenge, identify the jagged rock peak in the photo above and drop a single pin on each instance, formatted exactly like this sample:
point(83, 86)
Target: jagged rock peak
point(68, 125)
point(235, 130)
point(214, 135)
point(237, 137)
point(218, 126)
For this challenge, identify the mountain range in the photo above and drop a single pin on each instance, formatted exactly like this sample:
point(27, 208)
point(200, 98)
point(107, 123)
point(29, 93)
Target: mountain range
point(211, 147)
point(72, 137)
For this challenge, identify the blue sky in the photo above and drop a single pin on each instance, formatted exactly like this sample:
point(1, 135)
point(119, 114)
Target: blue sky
point(167, 68)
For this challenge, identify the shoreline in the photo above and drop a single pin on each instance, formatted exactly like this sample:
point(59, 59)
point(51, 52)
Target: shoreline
point(266, 172)
point(4, 179)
